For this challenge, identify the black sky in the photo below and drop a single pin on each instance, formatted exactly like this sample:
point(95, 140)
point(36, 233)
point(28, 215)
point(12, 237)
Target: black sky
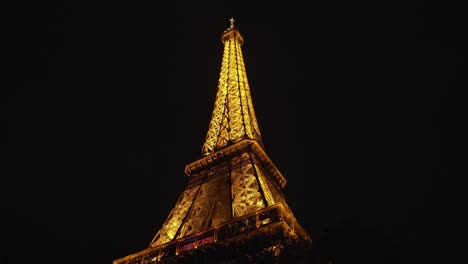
point(104, 103)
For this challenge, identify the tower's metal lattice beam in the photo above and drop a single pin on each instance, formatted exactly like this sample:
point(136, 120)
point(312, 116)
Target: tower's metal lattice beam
point(233, 116)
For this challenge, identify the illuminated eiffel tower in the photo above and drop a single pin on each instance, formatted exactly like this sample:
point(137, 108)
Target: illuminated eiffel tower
point(232, 209)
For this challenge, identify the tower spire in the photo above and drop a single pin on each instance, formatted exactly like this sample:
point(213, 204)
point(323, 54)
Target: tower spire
point(233, 117)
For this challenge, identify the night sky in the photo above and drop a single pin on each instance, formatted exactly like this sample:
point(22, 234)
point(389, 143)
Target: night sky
point(104, 103)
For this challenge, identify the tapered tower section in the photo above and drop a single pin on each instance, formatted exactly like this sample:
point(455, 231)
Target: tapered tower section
point(233, 116)
point(232, 209)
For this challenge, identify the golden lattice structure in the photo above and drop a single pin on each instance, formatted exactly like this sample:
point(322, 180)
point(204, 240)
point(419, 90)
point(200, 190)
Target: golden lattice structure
point(232, 207)
point(233, 115)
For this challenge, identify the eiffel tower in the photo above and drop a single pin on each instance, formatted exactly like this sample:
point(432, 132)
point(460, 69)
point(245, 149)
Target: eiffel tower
point(232, 209)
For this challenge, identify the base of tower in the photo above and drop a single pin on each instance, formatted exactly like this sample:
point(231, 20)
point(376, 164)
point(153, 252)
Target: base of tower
point(271, 244)
point(270, 235)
